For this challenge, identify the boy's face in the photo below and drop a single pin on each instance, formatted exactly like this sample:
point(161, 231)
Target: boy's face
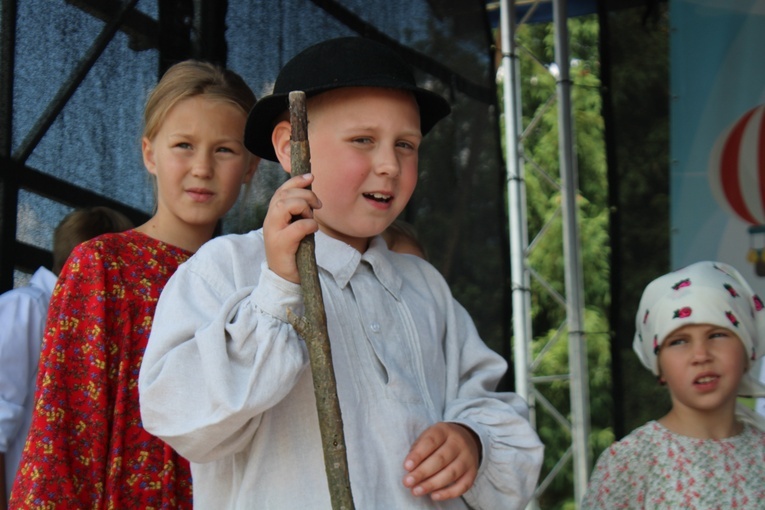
point(702, 365)
point(364, 146)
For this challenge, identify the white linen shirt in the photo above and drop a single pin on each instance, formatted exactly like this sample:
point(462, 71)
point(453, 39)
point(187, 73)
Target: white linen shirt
point(226, 381)
point(22, 318)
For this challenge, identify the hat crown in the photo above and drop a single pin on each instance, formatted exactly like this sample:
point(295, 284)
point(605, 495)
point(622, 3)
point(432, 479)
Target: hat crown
point(344, 62)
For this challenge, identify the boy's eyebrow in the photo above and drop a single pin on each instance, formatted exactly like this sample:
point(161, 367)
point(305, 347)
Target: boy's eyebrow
point(369, 127)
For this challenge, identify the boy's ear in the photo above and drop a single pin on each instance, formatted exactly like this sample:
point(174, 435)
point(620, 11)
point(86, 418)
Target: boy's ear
point(280, 138)
point(148, 155)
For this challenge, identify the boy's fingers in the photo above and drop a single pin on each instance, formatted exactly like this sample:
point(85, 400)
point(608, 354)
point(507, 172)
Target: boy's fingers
point(293, 207)
point(299, 180)
point(428, 442)
point(428, 456)
point(287, 206)
point(455, 490)
point(436, 471)
point(451, 478)
point(289, 219)
point(291, 189)
point(305, 226)
point(441, 462)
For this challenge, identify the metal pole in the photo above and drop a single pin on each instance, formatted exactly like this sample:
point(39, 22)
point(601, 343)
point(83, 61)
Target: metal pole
point(9, 182)
point(516, 198)
point(516, 204)
point(70, 85)
point(580, 395)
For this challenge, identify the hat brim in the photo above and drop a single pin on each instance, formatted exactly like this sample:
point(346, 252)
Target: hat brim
point(262, 118)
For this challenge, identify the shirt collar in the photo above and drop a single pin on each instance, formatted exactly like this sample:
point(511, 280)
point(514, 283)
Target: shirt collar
point(341, 261)
point(44, 279)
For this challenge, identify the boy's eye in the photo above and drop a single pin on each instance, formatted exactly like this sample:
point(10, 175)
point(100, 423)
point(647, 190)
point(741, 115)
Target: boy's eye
point(363, 140)
point(183, 145)
point(406, 145)
point(225, 149)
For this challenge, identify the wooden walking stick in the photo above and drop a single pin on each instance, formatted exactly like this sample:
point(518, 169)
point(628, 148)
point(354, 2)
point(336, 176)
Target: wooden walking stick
point(313, 329)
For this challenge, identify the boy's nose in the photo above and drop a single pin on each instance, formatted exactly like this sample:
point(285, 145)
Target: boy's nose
point(386, 163)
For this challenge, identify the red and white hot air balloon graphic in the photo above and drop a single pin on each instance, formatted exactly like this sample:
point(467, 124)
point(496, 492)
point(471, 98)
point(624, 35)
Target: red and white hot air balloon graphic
point(737, 177)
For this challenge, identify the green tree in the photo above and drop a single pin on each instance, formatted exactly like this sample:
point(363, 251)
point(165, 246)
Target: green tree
point(541, 153)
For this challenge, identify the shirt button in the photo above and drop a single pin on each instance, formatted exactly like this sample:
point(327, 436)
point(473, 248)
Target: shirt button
point(375, 327)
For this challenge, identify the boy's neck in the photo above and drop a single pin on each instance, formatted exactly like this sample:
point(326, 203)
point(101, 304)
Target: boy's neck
point(361, 244)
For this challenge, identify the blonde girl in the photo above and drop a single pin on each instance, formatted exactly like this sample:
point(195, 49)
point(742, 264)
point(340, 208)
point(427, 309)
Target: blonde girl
point(699, 330)
point(87, 447)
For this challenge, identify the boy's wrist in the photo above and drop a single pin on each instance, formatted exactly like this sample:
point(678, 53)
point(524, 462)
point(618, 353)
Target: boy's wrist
point(274, 295)
point(477, 440)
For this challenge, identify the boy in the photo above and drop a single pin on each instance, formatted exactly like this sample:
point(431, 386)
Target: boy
point(225, 379)
point(22, 313)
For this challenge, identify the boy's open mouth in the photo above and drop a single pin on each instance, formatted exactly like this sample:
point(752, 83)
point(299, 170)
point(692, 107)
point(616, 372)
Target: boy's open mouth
point(378, 197)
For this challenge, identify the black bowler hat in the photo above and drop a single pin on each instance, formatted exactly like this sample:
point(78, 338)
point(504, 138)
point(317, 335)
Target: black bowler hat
point(332, 64)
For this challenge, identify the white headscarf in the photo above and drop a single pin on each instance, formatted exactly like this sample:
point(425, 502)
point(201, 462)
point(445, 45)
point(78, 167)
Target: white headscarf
point(702, 293)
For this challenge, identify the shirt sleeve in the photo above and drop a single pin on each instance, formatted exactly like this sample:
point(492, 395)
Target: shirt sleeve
point(66, 453)
point(22, 316)
point(512, 453)
point(221, 353)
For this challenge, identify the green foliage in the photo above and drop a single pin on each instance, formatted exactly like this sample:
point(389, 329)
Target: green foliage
point(556, 437)
point(542, 178)
point(633, 221)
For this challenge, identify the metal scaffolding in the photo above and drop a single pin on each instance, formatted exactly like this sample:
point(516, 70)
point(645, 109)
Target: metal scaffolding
point(521, 273)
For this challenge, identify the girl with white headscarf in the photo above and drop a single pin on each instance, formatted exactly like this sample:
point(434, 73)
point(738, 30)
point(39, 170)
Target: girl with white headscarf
point(699, 330)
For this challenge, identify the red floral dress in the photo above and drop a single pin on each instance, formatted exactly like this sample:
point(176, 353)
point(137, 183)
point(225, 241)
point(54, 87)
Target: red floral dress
point(87, 448)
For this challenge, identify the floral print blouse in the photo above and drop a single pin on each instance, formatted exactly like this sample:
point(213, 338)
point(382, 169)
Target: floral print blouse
point(87, 448)
point(654, 468)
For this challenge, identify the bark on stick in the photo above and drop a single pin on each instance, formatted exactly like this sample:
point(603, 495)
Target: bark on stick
point(313, 329)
